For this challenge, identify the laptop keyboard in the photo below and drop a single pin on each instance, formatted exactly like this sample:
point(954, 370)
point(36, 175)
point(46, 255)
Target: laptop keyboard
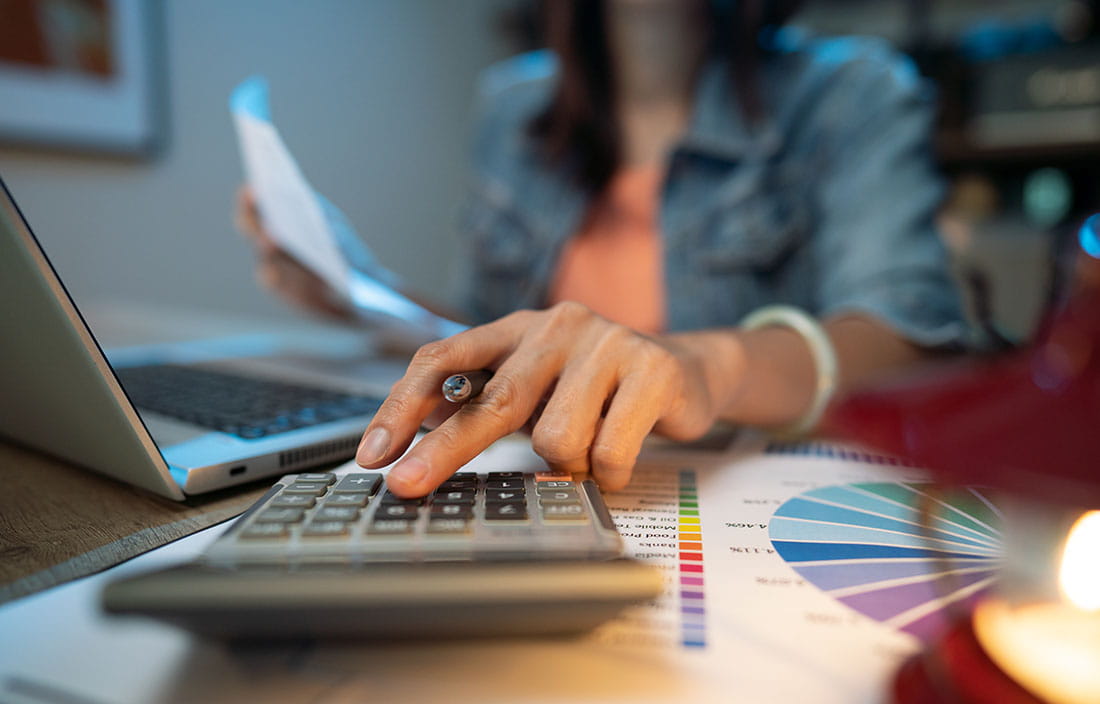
point(249, 407)
point(353, 517)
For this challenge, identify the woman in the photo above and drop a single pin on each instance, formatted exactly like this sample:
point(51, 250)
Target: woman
point(658, 177)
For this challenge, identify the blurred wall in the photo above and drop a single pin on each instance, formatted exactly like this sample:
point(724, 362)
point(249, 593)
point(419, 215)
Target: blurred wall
point(373, 99)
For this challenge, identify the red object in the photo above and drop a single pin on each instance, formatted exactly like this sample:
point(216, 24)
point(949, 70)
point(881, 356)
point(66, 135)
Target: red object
point(956, 670)
point(1028, 423)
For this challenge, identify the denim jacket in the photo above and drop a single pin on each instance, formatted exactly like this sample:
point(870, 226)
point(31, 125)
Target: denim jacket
point(827, 203)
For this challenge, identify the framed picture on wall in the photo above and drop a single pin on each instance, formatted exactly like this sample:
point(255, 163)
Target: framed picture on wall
point(80, 74)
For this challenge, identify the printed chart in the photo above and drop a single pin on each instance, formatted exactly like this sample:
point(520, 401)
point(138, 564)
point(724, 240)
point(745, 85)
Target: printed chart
point(658, 517)
point(872, 547)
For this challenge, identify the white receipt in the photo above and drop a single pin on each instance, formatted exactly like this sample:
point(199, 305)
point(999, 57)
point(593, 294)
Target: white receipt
point(311, 228)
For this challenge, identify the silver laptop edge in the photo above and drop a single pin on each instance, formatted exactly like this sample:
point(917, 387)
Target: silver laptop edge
point(59, 393)
point(44, 338)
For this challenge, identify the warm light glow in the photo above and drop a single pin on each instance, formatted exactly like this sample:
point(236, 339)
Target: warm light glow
point(1050, 649)
point(1079, 577)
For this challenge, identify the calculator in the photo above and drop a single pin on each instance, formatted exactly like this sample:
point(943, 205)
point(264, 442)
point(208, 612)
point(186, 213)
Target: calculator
point(326, 555)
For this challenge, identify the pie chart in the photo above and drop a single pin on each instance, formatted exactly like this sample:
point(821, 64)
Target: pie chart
point(909, 555)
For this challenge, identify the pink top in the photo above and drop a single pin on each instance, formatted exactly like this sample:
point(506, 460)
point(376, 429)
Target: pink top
point(615, 263)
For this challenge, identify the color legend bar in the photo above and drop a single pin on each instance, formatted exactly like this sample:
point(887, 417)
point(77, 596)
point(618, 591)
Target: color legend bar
point(692, 609)
point(833, 451)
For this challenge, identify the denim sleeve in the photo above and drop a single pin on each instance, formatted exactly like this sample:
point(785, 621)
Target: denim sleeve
point(877, 243)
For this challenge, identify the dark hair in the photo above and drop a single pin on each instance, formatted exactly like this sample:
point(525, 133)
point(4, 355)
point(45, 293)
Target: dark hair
point(579, 127)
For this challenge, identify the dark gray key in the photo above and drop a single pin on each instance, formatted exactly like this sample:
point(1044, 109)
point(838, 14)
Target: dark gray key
point(397, 511)
point(450, 526)
point(508, 495)
point(325, 528)
point(573, 512)
point(323, 477)
point(265, 530)
point(458, 485)
point(506, 512)
point(389, 498)
point(285, 500)
point(346, 500)
point(280, 515)
point(454, 497)
point(337, 513)
point(504, 475)
point(452, 510)
point(504, 484)
point(390, 527)
point(358, 483)
point(311, 488)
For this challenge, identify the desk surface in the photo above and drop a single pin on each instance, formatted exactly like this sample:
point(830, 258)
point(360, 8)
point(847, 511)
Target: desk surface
point(770, 637)
point(59, 522)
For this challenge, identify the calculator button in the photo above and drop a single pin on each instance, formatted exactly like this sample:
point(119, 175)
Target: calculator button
point(464, 475)
point(504, 495)
point(325, 528)
point(452, 510)
point(553, 484)
point(397, 511)
point(358, 483)
point(337, 513)
point(458, 485)
point(448, 525)
point(504, 475)
point(506, 512)
point(558, 496)
point(285, 500)
point(390, 527)
point(265, 530)
point(572, 511)
point(324, 477)
point(504, 484)
point(346, 500)
point(280, 515)
point(311, 488)
point(552, 476)
point(454, 497)
point(389, 498)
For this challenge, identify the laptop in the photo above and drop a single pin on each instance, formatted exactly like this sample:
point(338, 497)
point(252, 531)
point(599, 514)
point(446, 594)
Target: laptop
point(175, 420)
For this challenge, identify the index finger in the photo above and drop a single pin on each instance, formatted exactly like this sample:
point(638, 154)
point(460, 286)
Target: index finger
point(509, 398)
point(418, 392)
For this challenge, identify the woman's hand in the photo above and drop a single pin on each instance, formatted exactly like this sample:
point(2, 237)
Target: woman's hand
point(280, 272)
point(590, 391)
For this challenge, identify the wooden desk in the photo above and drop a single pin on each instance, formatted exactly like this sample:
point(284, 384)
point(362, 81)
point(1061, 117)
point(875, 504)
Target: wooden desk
point(59, 522)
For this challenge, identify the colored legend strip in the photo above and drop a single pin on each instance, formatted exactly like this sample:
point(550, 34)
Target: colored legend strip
point(833, 451)
point(692, 609)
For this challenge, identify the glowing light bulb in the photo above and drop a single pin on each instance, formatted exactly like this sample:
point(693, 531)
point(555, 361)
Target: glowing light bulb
point(1052, 649)
point(1079, 576)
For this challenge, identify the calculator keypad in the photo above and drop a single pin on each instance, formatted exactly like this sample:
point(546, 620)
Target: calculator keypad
point(507, 512)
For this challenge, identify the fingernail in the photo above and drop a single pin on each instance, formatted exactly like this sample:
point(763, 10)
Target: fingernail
point(373, 447)
point(410, 471)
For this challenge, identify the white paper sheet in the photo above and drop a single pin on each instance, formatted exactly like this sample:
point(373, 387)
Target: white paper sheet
point(766, 635)
point(312, 229)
